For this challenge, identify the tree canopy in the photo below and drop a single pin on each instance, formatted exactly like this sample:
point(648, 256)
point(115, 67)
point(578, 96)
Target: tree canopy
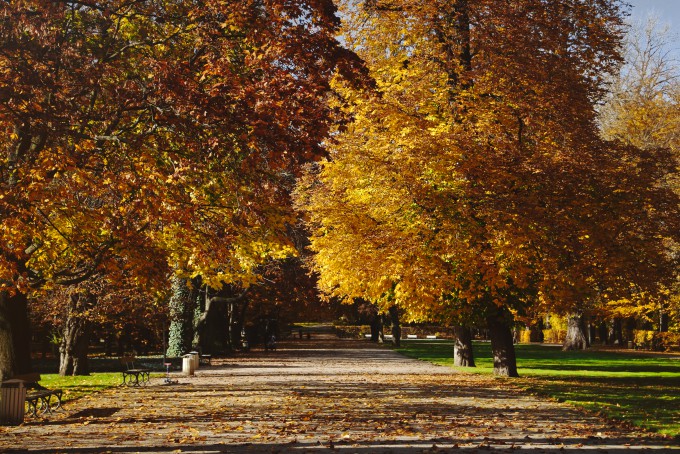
point(157, 127)
point(475, 175)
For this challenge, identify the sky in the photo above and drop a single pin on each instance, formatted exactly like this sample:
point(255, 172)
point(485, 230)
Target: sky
point(667, 10)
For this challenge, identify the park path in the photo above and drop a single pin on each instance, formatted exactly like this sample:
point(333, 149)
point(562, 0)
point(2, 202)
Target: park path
point(323, 395)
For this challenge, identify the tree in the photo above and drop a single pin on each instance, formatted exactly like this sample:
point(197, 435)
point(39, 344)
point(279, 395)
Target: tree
point(114, 303)
point(173, 123)
point(643, 110)
point(642, 107)
point(476, 174)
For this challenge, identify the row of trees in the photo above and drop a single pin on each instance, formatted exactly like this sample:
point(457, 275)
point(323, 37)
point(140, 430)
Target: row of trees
point(474, 185)
point(144, 139)
point(151, 148)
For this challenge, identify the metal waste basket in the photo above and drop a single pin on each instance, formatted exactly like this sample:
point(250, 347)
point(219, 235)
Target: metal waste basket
point(196, 358)
point(12, 402)
point(188, 365)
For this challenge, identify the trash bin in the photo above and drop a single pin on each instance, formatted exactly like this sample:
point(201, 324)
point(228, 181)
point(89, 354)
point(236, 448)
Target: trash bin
point(196, 358)
point(188, 364)
point(12, 402)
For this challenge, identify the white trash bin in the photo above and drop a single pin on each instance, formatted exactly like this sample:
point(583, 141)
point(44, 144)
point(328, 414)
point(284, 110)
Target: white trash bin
point(188, 365)
point(12, 402)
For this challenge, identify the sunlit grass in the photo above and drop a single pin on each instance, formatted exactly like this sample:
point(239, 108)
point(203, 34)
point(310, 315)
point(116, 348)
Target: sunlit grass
point(80, 385)
point(77, 386)
point(641, 389)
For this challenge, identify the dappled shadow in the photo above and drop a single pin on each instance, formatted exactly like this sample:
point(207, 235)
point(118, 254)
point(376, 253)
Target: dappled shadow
point(378, 447)
point(95, 413)
point(629, 367)
point(363, 400)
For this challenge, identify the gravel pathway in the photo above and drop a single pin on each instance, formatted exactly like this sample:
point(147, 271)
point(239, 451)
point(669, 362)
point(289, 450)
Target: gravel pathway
point(323, 395)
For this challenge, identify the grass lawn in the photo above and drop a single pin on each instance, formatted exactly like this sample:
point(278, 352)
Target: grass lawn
point(105, 373)
point(641, 389)
point(80, 385)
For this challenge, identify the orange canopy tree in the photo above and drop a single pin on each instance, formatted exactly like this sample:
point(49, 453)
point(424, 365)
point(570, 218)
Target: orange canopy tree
point(172, 123)
point(474, 179)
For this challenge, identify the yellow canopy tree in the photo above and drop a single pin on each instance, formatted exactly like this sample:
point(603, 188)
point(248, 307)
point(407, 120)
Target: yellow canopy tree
point(474, 180)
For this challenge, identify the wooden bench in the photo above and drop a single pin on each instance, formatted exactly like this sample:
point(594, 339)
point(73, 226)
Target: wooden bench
point(133, 375)
point(39, 398)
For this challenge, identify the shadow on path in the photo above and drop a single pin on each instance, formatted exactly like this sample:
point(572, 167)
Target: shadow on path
point(325, 396)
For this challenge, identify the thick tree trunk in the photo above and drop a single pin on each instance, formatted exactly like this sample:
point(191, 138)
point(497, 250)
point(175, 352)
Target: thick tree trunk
point(75, 337)
point(15, 335)
point(181, 318)
point(502, 348)
point(462, 347)
point(219, 322)
point(396, 325)
point(577, 338)
point(8, 364)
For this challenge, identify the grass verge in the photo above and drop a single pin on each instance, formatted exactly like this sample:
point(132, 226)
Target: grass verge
point(640, 389)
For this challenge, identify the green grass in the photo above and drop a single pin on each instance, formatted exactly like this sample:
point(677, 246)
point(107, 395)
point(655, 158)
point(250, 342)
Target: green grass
point(643, 390)
point(78, 386)
point(104, 373)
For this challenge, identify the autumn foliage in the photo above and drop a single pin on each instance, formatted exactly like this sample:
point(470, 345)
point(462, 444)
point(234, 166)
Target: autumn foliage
point(144, 127)
point(474, 176)
point(466, 176)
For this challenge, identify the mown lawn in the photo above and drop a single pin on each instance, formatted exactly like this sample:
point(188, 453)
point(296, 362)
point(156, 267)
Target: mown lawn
point(77, 386)
point(105, 373)
point(641, 389)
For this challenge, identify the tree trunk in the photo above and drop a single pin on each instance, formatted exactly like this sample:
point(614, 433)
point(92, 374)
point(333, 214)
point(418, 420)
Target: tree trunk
point(238, 305)
point(577, 338)
point(219, 321)
point(376, 327)
point(504, 359)
point(603, 333)
point(616, 337)
point(663, 321)
point(8, 364)
point(396, 325)
point(201, 317)
point(15, 335)
point(536, 331)
point(462, 347)
point(630, 326)
point(181, 318)
point(75, 336)
point(592, 333)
